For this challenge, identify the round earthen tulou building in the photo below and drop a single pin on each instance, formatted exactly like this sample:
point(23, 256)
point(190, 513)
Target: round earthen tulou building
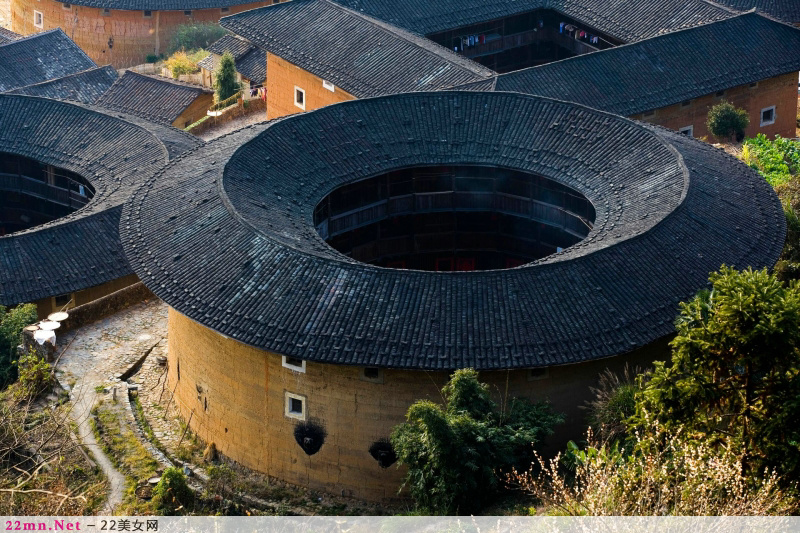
point(326, 270)
point(122, 33)
point(65, 171)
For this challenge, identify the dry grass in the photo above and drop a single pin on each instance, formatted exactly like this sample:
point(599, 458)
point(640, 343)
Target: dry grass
point(674, 479)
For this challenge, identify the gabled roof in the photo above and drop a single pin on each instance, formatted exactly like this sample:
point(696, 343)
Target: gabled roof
point(627, 20)
point(250, 60)
point(82, 249)
point(226, 237)
point(667, 69)
point(786, 10)
point(40, 57)
point(153, 98)
point(8, 36)
point(85, 87)
point(362, 55)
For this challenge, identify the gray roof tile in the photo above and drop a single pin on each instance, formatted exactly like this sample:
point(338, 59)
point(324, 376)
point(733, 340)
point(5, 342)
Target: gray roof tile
point(154, 98)
point(82, 249)
point(40, 57)
point(250, 265)
point(667, 69)
point(85, 87)
point(362, 55)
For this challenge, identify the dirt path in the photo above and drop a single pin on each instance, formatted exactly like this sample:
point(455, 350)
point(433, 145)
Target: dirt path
point(94, 355)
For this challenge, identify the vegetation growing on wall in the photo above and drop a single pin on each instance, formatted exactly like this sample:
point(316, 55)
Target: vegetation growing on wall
point(181, 62)
point(454, 451)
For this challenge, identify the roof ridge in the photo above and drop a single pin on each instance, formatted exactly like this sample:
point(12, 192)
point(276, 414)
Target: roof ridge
point(54, 80)
point(420, 41)
point(681, 31)
point(170, 81)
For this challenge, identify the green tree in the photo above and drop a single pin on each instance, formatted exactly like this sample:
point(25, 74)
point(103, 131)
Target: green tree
point(734, 380)
point(727, 122)
point(225, 83)
point(12, 321)
point(453, 452)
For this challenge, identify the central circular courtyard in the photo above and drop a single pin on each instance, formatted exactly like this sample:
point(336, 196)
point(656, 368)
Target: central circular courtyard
point(453, 218)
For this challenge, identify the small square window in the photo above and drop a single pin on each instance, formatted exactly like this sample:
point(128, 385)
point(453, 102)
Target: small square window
point(328, 85)
point(38, 19)
point(147, 14)
point(688, 131)
point(372, 374)
point(685, 103)
point(768, 116)
point(62, 300)
point(106, 12)
point(720, 93)
point(754, 84)
point(188, 12)
point(295, 406)
point(224, 10)
point(67, 6)
point(294, 363)
point(535, 374)
point(300, 98)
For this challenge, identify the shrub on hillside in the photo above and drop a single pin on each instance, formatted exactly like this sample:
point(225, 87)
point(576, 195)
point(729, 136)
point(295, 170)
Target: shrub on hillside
point(172, 494)
point(12, 321)
point(454, 452)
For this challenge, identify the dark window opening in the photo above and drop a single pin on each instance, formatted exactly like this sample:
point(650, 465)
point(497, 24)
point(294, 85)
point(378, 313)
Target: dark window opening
point(296, 406)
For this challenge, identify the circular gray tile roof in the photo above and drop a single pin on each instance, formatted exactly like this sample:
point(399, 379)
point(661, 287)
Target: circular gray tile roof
point(226, 236)
point(82, 249)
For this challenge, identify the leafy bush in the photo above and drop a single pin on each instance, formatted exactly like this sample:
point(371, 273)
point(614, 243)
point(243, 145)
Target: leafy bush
point(35, 377)
point(453, 452)
point(12, 322)
point(613, 404)
point(152, 58)
point(172, 494)
point(225, 84)
point(194, 36)
point(184, 63)
point(776, 160)
point(734, 380)
point(725, 121)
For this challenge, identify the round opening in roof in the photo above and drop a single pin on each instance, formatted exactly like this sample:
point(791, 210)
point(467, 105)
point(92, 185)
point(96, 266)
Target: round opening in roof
point(453, 218)
point(33, 193)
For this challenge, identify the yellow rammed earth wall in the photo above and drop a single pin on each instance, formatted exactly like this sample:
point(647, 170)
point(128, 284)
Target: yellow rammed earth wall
point(283, 77)
point(235, 396)
point(780, 91)
point(195, 111)
point(134, 35)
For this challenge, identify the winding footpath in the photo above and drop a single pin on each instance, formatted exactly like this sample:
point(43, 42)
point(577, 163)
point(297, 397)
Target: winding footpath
point(93, 356)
